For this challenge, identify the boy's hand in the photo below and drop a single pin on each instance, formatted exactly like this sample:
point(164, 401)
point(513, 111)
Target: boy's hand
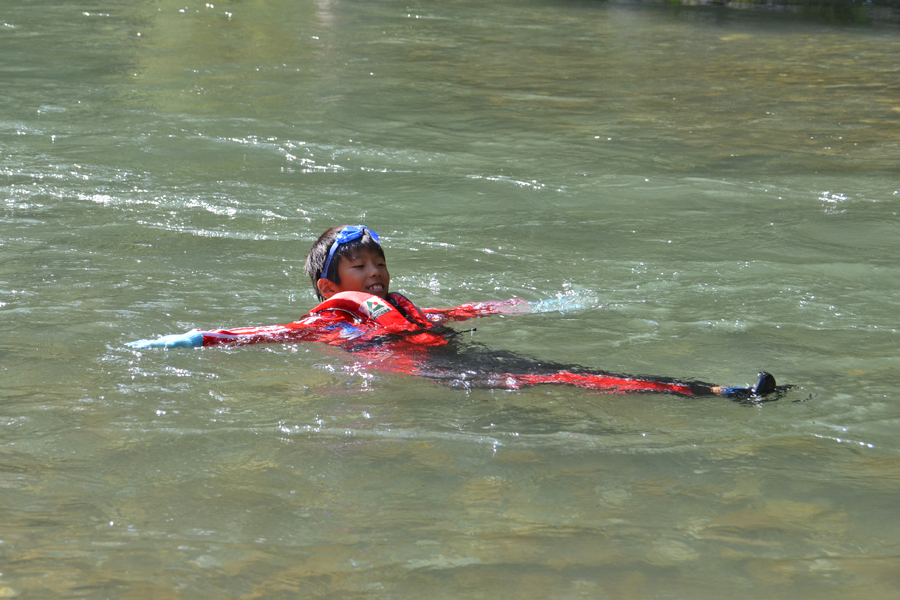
point(191, 339)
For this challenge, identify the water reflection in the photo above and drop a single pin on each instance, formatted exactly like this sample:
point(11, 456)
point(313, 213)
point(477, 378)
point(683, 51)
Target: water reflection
point(732, 95)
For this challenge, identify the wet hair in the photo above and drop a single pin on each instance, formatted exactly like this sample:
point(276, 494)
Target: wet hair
point(318, 254)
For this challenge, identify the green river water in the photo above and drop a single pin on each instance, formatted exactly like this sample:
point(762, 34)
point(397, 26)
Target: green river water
point(706, 192)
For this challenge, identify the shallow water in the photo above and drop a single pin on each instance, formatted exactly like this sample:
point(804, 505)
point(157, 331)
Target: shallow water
point(706, 192)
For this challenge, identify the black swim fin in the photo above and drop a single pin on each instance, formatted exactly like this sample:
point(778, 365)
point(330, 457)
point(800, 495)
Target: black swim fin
point(765, 386)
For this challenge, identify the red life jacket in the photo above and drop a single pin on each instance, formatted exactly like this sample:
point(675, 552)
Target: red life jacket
point(399, 316)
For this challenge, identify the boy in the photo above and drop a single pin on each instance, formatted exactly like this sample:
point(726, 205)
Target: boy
point(358, 312)
point(348, 258)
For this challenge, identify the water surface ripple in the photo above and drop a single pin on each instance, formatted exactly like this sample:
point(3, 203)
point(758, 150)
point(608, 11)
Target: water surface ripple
point(691, 192)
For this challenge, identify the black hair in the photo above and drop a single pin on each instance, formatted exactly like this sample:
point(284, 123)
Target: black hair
point(318, 254)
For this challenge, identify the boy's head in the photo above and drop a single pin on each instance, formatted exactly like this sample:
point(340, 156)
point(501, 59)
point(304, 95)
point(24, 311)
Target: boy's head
point(348, 258)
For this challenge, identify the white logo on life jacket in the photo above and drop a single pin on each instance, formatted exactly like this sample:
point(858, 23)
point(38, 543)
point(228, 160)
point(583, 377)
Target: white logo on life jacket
point(376, 307)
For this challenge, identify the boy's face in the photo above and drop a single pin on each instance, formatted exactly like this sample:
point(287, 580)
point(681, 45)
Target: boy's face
point(365, 272)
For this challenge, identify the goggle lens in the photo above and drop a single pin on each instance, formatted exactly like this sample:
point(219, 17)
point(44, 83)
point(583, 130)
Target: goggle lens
point(347, 234)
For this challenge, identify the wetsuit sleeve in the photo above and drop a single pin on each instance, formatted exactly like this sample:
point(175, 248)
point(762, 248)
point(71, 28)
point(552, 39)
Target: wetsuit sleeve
point(318, 328)
point(191, 339)
point(514, 306)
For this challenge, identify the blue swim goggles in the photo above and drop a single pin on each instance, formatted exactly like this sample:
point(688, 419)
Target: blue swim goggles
point(347, 234)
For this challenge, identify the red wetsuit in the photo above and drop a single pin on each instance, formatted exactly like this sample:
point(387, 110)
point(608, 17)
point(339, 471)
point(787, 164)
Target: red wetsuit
point(396, 335)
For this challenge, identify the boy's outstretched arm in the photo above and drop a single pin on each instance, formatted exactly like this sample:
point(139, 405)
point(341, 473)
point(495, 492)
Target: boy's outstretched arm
point(310, 329)
point(514, 306)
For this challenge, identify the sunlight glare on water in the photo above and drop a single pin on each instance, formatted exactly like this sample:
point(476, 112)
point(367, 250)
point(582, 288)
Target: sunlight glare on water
point(689, 192)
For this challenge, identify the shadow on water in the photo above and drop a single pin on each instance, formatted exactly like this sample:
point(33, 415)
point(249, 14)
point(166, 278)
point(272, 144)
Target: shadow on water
point(832, 12)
